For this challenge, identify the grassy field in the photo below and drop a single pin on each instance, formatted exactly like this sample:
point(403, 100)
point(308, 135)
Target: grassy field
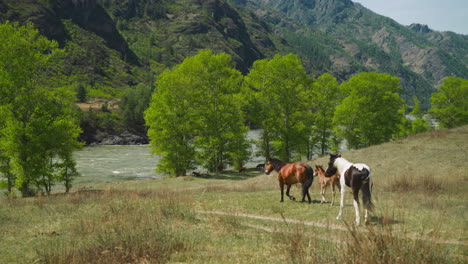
point(421, 216)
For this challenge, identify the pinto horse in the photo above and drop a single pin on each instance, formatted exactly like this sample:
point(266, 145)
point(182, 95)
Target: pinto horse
point(334, 181)
point(356, 176)
point(291, 173)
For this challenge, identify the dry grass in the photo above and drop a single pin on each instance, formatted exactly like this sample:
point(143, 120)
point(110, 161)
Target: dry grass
point(383, 245)
point(427, 184)
point(420, 186)
point(371, 244)
point(126, 227)
point(97, 103)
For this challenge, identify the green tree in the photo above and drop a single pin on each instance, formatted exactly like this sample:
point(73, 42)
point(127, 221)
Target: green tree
point(221, 133)
point(372, 111)
point(171, 121)
point(280, 91)
point(197, 106)
point(37, 119)
point(326, 96)
point(133, 104)
point(6, 170)
point(450, 103)
point(67, 170)
point(418, 125)
point(81, 93)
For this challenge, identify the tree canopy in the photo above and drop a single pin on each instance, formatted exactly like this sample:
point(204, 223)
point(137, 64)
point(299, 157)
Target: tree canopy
point(326, 96)
point(38, 130)
point(372, 110)
point(450, 103)
point(281, 90)
point(195, 115)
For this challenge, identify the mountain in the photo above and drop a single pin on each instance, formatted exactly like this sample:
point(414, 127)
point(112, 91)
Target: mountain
point(354, 39)
point(114, 44)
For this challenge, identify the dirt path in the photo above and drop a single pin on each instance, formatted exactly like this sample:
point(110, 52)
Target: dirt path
point(321, 225)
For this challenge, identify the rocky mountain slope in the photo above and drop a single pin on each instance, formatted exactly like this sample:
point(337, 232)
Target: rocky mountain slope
point(360, 40)
point(112, 44)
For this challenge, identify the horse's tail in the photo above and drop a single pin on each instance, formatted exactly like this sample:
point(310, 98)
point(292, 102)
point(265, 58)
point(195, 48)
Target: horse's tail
point(367, 193)
point(309, 179)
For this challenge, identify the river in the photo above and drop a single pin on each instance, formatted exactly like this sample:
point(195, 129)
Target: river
point(112, 163)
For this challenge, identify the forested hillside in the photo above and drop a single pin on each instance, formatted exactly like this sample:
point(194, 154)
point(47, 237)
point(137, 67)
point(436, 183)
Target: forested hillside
point(112, 47)
point(343, 37)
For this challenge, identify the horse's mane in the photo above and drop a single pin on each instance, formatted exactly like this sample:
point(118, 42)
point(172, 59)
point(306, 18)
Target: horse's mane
point(276, 163)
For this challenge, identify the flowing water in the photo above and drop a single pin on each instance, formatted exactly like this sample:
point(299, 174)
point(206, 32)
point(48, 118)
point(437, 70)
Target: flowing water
point(117, 163)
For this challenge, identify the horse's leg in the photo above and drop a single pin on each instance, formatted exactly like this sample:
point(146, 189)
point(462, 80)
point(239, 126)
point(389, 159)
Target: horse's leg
point(287, 192)
point(305, 191)
point(341, 201)
point(308, 195)
point(333, 193)
point(281, 184)
point(322, 192)
point(356, 205)
point(366, 199)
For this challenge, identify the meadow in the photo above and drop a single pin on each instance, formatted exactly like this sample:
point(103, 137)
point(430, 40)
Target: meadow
point(420, 196)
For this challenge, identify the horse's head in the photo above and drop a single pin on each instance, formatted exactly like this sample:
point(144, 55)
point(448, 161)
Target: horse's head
point(269, 167)
point(273, 164)
point(331, 170)
point(318, 170)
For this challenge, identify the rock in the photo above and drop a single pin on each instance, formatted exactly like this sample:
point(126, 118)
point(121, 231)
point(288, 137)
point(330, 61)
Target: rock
point(125, 138)
point(420, 28)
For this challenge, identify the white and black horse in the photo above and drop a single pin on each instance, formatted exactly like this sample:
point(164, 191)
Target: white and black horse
point(357, 177)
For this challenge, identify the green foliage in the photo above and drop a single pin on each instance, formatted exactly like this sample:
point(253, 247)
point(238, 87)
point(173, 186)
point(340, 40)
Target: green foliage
point(91, 63)
point(81, 93)
point(98, 122)
point(312, 48)
point(372, 112)
point(197, 106)
point(8, 175)
point(133, 104)
point(325, 98)
point(418, 125)
point(37, 121)
point(281, 94)
point(221, 132)
point(449, 104)
point(171, 123)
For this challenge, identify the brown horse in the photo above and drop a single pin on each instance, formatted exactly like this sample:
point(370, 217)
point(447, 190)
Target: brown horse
point(291, 173)
point(325, 181)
